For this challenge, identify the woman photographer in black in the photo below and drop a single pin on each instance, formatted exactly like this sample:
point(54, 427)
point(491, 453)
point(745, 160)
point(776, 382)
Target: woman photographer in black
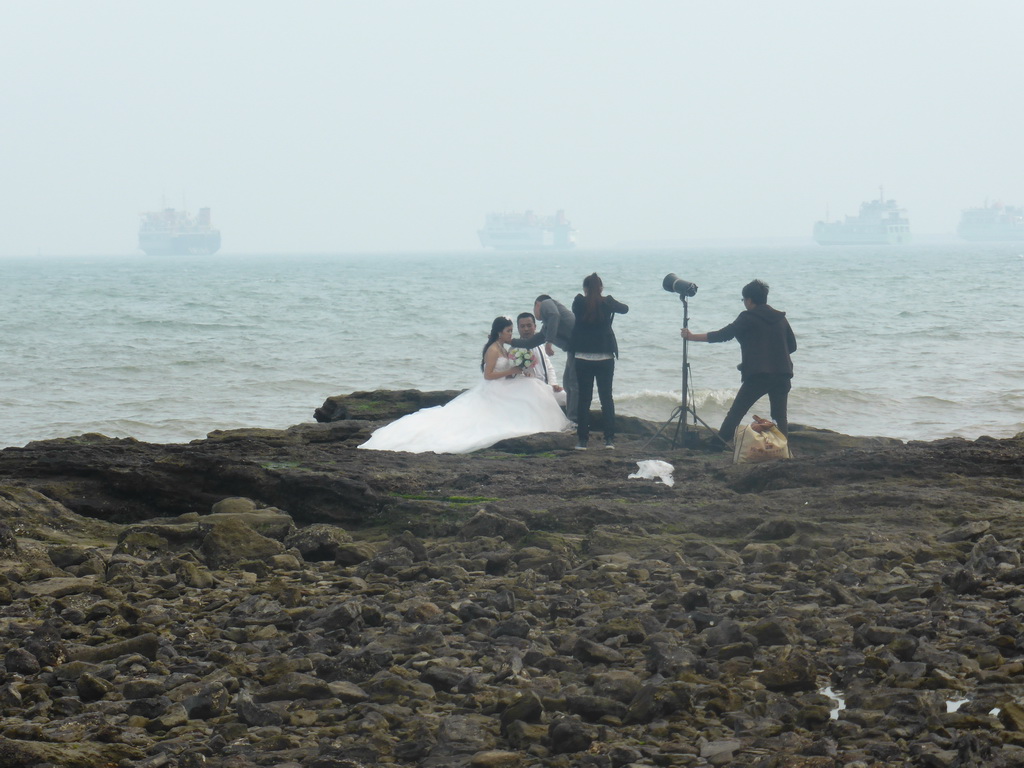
point(595, 349)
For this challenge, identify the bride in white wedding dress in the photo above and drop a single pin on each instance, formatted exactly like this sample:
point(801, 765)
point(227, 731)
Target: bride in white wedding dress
point(505, 404)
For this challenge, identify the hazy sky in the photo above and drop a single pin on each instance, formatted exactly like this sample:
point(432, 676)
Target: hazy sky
point(354, 126)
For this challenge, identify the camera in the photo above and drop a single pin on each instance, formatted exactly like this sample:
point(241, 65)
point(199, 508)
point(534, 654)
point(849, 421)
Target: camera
point(675, 284)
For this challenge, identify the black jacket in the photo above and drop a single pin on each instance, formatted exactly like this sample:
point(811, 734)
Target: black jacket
point(595, 336)
point(766, 341)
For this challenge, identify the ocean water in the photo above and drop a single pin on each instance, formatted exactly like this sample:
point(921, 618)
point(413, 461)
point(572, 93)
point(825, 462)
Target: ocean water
point(913, 342)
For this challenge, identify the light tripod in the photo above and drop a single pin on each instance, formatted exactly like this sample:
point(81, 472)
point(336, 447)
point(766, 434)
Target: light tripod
point(681, 436)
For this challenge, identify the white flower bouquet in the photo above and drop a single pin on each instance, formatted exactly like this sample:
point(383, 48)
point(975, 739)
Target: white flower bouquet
point(522, 359)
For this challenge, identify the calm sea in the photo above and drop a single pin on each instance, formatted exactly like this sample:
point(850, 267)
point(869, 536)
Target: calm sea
point(914, 342)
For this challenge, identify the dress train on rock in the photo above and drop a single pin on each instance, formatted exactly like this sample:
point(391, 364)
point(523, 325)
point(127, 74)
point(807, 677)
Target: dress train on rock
point(492, 410)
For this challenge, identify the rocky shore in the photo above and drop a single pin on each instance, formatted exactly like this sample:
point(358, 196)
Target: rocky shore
point(279, 598)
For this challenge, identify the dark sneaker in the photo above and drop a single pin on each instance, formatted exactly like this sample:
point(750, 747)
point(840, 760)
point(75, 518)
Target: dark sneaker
point(581, 446)
point(609, 446)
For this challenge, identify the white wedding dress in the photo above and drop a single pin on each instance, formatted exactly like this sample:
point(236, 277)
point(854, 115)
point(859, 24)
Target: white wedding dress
point(492, 410)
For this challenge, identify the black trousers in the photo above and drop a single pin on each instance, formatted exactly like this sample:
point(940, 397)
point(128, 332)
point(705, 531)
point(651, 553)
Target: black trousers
point(754, 387)
point(587, 372)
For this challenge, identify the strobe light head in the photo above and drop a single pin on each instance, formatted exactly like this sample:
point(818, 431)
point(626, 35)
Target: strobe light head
point(674, 284)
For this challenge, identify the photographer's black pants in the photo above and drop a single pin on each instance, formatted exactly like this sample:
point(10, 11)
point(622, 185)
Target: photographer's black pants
point(754, 387)
point(587, 372)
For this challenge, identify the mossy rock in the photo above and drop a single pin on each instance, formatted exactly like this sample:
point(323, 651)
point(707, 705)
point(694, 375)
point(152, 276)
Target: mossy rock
point(560, 543)
point(16, 753)
point(610, 540)
point(230, 542)
point(380, 405)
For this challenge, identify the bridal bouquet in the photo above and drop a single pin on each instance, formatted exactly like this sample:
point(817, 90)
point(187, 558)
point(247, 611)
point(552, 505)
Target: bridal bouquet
point(522, 359)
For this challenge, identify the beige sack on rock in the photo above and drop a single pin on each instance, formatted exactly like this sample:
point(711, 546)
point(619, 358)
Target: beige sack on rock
point(759, 442)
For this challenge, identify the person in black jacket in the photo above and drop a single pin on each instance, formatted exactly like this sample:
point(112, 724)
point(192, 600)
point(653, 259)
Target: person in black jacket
point(766, 342)
point(594, 346)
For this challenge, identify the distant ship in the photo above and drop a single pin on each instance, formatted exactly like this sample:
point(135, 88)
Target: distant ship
point(993, 223)
point(880, 222)
point(176, 233)
point(527, 232)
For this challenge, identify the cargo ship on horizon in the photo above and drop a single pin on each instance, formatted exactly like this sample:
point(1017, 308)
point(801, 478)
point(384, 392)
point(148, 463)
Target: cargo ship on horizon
point(170, 232)
point(992, 223)
point(880, 222)
point(527, 232)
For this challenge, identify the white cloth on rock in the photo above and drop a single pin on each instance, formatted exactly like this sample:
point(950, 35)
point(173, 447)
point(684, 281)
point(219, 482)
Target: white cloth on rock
point(492, 410)
point(654, 469)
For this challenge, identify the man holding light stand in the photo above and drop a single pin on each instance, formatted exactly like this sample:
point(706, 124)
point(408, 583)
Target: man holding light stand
point(766, 343)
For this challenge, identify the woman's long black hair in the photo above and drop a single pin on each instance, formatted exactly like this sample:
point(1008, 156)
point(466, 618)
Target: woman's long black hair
point(592, 287)
point(500, 324)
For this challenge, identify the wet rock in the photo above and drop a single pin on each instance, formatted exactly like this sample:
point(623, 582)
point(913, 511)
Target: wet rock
point(16, 753)
point(92, 687)
point(568, 735)
point(668, 654)
point(254, 714)
point(194, 575)
point(655, 701)
point(791, 671)
point(10, 697)
point(45, 645)
point(496, 758)
point(8, 541)
point(489, 524)
point(232, 541)
point(723, 633)
point(904, 647)
point(595, 653)
point(143, 689)
point(294, 686)
point(210, 701)
point(775, 631)
point(514, 626)
point(347, 692)
point(67, 555)
point(968, 531)
point(596, 708)
point(145, 645)
point(354, 553)
point(773, 530)
point(761, 553)
point(618, 684)
point(442, 678)
point(19, 661)
point(319, 541)
point(380, 404)
point(694, 598)
point(140, 543)
point(234, 505)
point(721, 751)
point(1011, 715)
point(621, 756)
point(172, 717)
point(527, 708)
point(462, 734)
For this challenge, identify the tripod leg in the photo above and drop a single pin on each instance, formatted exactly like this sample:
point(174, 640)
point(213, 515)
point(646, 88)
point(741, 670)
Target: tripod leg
point(721, 439)
point(678, 413)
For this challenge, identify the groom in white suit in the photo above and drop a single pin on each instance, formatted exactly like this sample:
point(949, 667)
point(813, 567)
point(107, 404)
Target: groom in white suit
point(543, 370)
